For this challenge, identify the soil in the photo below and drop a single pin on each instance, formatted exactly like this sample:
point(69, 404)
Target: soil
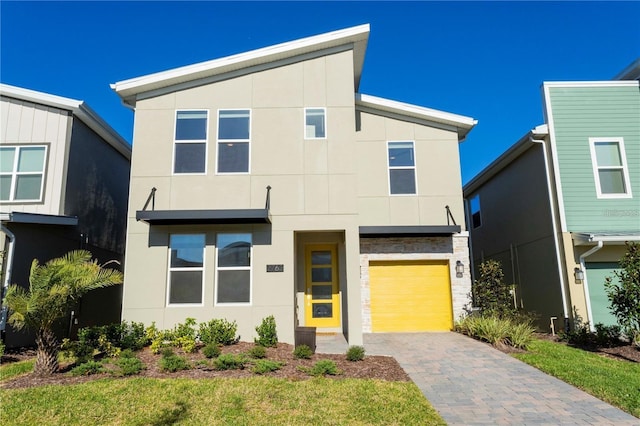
point(371, 367)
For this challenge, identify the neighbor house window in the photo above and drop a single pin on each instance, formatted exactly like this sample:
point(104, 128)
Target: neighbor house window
point(190, 147)
point(186, 269)
point(315, 123)
point(234, 130)
point(234, 268)
point(22, 173)
point(402, 168)
point(610, 167)
point(476, 219)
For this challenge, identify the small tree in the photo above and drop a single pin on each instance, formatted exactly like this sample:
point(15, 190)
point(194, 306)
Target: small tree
point(53, 289)
point(490, 293)
point(624, 296)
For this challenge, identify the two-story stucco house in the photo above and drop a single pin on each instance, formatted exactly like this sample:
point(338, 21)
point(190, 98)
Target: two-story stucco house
point(64, 181)
point(557, 207)
point(265, 184)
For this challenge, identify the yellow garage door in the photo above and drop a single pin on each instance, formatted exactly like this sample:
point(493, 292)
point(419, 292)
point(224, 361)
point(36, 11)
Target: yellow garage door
point(410, 296)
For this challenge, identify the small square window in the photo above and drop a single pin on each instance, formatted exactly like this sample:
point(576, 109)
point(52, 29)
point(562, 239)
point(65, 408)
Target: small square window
point(22, 172)
point(315, 123)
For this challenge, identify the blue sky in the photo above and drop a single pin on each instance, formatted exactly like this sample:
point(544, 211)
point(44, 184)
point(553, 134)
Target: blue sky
point(486, 60)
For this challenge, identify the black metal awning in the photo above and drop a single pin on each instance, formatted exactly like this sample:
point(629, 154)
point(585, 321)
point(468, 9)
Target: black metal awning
point(408, 231)
point(203, 217)
point(39, 219)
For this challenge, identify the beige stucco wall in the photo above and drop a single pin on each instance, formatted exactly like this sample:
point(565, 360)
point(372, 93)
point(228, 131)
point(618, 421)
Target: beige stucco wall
point(437, 170)
point(314, 185)
point(27, 123)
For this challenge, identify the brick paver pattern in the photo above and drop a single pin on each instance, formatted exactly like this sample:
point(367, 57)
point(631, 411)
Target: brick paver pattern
point(470, 383)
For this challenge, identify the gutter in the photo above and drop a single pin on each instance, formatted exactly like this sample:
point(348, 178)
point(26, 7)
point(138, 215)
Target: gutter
point(554, 223)
point(7, 275)
point(583, 256)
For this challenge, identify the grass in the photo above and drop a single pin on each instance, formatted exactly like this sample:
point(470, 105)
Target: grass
point(616, 382)
point(252, 401)
point(13, 369)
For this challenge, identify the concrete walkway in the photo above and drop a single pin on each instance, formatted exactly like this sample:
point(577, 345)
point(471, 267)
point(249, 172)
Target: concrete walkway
point(470, 383)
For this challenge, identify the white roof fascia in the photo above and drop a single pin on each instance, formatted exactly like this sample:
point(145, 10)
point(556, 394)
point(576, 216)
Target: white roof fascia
point(617, 83)
point(357, 36)
point(583, 238)
point(462, 123)
point(78, 108)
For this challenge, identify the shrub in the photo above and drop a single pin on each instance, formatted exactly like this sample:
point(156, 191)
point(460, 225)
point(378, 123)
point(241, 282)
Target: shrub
point(302, 351)
point(267, 335)
point(229, 362)
point(87, 368)
point(219, 331)
point(212, 350)
point(182, 336)
point(129, 365)
point(607, 335)
point(127, 353)
point(171, 362)
point(324, 367)
point(624, 296)
point(263, 366)
point(521, 335)
point(258, 352)
point(355, 353)
point(497, 331)
point(490, 293)
point(133, 336)
point(1, 348)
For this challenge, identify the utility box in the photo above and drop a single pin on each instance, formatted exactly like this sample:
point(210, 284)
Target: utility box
point(306, 336)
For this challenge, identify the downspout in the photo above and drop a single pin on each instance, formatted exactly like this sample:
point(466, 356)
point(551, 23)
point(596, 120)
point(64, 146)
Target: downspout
point(554, 224)
point(8, 261)
point(585, 283)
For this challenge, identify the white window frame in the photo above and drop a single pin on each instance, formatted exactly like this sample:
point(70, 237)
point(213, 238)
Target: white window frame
point(414, 167)
point(234, 268)
point(174, 269)
point(471, 213)
point(304, 124)
point(220, 141)
point(204, 141)
point(623, 167)
point(15, 173)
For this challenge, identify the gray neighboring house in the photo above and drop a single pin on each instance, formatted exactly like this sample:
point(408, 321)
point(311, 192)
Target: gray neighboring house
point(264, 183)
point(64, 185)
point(557, 207)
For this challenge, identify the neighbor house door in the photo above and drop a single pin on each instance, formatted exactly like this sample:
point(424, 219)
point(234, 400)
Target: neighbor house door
point(322, 292)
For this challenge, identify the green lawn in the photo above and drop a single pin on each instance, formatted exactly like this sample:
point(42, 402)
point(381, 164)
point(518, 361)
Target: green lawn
point(616, 382)
point(13, 369)
point(253, 401)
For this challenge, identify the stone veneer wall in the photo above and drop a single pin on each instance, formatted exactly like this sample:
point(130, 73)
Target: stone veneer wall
point(451, 248)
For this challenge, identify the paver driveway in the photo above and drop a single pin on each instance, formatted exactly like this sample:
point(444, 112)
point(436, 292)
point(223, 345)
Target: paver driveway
point(470, 383)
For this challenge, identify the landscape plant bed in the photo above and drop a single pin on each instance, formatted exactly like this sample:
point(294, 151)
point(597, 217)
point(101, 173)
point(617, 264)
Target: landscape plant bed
point(623, 351)
point(371, 367)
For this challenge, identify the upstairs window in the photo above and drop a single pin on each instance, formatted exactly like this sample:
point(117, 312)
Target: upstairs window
point(234, 268)
point(22, 173)
point(186, 269)
point(610, 167)
point(314, 122)
point(190, 147)
point(476, 219)
point(234, 130)
point(402, 168)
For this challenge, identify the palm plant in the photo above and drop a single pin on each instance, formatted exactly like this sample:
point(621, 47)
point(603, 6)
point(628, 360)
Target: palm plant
point(53, 289)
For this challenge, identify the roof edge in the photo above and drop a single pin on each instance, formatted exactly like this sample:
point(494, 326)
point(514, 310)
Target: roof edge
point(78, 108)
point(463, 123)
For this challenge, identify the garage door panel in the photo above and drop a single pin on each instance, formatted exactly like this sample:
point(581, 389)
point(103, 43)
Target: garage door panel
point(410, 296)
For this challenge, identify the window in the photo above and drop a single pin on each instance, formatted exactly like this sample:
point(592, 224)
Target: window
point(22, 172)
point(314, 122)
point(234, 129)
point(186, 269)
point(190, 145)
point(610, 167)
point(476, 219)
point(234, 268)
point(402, 168)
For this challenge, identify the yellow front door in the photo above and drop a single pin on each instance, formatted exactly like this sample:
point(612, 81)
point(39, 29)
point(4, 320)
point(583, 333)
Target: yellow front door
point(322, 293)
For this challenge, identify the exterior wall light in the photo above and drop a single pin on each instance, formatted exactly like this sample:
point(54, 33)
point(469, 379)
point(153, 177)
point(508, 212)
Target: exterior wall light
point(579, 275)
point(459, 269)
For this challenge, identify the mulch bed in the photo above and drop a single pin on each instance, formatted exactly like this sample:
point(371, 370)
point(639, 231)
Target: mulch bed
point(371, 367)
point(624, 351)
